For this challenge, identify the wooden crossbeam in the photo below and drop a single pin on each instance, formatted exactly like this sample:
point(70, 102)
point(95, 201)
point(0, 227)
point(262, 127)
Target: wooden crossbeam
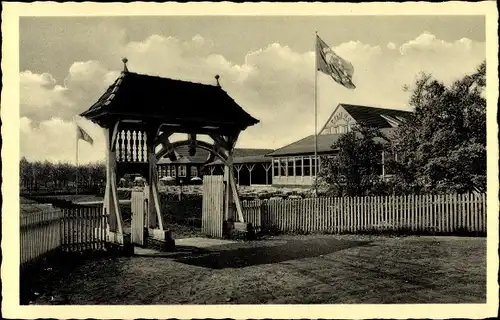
point(162, 138)
point(168, 147)
point(223, 142)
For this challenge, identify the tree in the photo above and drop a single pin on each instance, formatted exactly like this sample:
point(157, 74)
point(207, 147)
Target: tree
point(442, 146)
point(26, 174)
point(355, 168)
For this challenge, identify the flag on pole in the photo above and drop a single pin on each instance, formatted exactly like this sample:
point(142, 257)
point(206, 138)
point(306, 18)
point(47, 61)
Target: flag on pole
point(82, 134)
point(333, 65)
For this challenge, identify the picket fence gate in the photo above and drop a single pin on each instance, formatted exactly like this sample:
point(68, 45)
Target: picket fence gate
point(139, 207)
point(213, 206)
point(73, 228)
point(424, 213)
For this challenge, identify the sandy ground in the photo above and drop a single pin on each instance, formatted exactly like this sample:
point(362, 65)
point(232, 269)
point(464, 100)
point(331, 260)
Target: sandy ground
point(287, 269)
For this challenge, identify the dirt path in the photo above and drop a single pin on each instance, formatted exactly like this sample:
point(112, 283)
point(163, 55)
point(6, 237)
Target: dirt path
point(301, 269)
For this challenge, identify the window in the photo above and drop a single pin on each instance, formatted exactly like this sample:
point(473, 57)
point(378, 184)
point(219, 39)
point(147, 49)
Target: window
point(173, 171)
point(283, 167)
point(194, 171)
point(313, 166)
point(182, 171)
point(307, 167)
point(298, 166)
point(290, 167)
point(276, 169)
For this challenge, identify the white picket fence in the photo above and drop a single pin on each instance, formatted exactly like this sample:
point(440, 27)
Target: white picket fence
point(424, 213)
point(40, 233)
point(44, 229)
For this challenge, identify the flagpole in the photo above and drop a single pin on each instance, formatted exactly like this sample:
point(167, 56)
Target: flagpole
point(77, 160)
point(316, 112)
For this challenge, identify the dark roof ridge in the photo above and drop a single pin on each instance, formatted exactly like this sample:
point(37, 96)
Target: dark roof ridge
point(172, 79)
point(374, 107)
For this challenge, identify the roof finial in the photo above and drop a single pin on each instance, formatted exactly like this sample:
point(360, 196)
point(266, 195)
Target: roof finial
point(125, 60)
point(217, 78)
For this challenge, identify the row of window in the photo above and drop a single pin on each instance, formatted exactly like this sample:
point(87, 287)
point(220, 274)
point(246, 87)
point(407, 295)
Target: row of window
point(294, 166)
point(338, 129)
point(305, 166)
point(171, 171)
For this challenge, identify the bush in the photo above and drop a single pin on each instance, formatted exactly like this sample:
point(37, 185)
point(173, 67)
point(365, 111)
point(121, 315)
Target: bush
point(187, 212)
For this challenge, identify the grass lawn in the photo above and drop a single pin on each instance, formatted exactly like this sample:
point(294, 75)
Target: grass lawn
point(288, 269)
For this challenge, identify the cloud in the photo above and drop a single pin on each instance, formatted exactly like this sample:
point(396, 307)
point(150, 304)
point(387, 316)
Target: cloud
point(41, 96)
point(55, 140)
point(42, 99)
point(274, 84)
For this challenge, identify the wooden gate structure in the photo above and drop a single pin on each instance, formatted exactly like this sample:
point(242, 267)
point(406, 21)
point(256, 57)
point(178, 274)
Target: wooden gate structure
point(139, 114)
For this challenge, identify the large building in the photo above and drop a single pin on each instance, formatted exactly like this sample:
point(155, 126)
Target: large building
point(186, 168)
point(291, 165)
point(251, 167)
point(295, 164)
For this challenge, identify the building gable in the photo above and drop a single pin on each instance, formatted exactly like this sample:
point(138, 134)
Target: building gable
point(340, 121)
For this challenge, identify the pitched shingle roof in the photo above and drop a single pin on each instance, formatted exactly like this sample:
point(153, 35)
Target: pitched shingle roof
point(305, 146)
point(256, 158)
point(245, 152)
point(374, 117)
point(139, 96)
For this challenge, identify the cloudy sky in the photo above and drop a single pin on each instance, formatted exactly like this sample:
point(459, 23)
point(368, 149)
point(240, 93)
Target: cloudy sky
point(266, 64)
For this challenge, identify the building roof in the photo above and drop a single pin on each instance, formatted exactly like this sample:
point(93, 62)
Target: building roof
point(261, 158)
point(245, 152)
point(145, 97)
point(305, 146)
point(239, 154)
point(182, 154)
point(375, 117)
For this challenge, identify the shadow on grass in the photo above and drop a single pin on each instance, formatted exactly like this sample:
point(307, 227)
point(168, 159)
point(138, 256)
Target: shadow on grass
point(43, 275)
point(232, 256)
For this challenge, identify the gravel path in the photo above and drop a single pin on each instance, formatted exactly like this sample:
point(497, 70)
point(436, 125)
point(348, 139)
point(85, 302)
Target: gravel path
point(289, 269)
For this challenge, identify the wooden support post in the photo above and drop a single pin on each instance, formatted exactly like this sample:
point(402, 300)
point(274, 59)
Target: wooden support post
point(310, 167)
point(267, 167)
point(236, 198)
point(111, 204)
point(250, 169)
point(154, 209)
point(228, 196)
point(238, 169)
point(154, 189)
